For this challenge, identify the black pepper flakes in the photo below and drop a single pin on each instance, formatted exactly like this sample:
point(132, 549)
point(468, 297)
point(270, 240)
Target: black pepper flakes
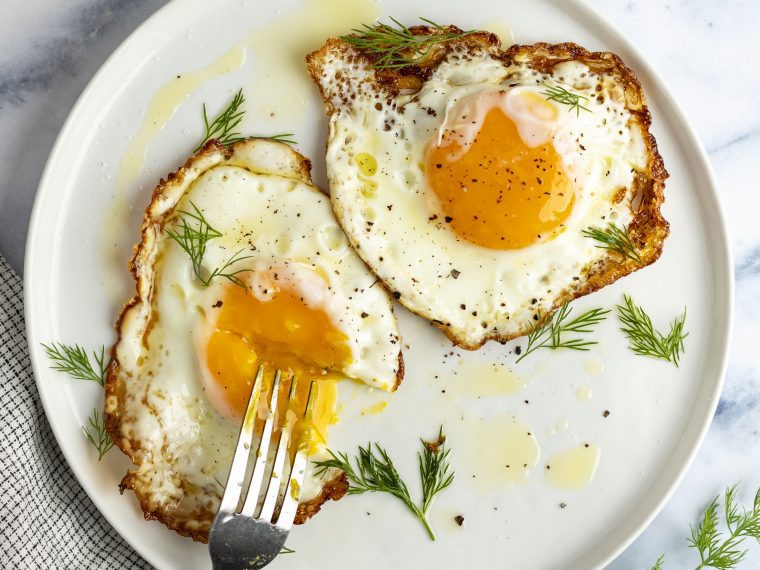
point(606, 413)
point(459, 519)
point(455, 274)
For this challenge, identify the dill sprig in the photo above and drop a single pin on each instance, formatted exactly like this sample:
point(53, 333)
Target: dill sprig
point(74, 361)
point(644, 339)
point(223, 126)
point(193, 239)
point(434, 469)
point(562, 95)
point(97, 434)
point(549, 332)
point(375, 472)
point(398, 46)
point(285, 138)
point(614, 238)
point(659, 563)
point(715, 551)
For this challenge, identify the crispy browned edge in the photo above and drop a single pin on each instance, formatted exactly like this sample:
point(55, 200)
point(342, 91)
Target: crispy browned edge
point(647, 230)
point(334, 488)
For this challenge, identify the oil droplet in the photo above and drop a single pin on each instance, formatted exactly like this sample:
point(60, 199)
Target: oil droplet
point(283, 88)
point(375, 409)
point(573, 468)
point(486, 379)
point(502, 29)
point(584, 393)
point(594, 367)
point(500, 451)
point(560, 425)
point(366, 163)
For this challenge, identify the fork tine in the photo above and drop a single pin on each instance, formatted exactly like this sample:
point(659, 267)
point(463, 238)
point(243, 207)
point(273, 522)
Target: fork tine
point(297, 474)
point(240, 460)
point(273, 490)
point(254, 489)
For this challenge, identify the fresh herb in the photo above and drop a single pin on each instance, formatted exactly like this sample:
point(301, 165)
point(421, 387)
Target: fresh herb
point(223, 126)
point(375, 472)
point(644, 339)
point(614, 238)
point(193, 239)
point(97, 434)
point(562, 95)
point(286, 550)
point(398, 46)
point(549, 332)
point(285, 138)
point(715, 551)
point(74, 361)
point(658, 564)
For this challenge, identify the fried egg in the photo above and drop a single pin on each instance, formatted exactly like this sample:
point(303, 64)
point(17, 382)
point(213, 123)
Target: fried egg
point(466, 181)
point(279, 285)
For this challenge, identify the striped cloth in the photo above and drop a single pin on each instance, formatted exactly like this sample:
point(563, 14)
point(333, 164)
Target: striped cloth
point(47, 521)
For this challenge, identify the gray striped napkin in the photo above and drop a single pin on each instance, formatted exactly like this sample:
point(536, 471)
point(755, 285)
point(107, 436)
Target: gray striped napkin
point(46, 518)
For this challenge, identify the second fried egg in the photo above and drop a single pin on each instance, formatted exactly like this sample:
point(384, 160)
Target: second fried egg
point(469, 194)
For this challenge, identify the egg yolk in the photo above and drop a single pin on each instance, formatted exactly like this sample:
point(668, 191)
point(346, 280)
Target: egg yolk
point(499, 192)
point(281, 332)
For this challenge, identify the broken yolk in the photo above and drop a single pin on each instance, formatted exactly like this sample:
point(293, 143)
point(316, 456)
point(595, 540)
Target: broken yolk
point(281, 332)
point(499, 192)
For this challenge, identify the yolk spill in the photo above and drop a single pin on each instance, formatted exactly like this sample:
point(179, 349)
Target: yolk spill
point(280, 332)
point(499, 193)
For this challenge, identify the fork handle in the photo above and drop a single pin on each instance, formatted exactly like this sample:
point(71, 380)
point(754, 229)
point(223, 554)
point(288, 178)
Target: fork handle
point(243, 547)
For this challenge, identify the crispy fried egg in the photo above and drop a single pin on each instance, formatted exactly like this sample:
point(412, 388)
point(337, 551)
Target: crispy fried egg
point(466, 181)
point(289, 293)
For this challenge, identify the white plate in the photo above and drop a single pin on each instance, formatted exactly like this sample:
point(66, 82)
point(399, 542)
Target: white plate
point(76, 279)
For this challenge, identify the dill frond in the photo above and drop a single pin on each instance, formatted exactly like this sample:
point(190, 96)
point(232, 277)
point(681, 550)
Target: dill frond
point(74, 361)
point(615, 239)
point(396, 45)
point(550, 333)
point(644, 339)
point(97, 434)
point(374, 471)
point(562, 95)
point(193, 234)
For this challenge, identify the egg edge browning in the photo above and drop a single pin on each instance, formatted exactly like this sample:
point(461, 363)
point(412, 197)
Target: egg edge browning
point(164, 199)
point(647, 230)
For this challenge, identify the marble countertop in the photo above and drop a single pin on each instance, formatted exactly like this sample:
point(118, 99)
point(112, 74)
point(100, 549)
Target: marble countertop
point(49, 51)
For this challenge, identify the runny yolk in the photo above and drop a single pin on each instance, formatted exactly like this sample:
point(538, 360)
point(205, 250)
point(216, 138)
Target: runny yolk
point(499, 193)
point(281, 332)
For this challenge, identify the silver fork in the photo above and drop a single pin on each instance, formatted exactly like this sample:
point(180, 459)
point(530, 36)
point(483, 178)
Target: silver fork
point(239, 538)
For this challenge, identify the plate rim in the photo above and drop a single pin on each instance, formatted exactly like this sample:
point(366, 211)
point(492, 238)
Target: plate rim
point(589, 14)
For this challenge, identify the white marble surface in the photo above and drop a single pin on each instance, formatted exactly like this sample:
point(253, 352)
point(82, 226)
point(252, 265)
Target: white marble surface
point(704, 50)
